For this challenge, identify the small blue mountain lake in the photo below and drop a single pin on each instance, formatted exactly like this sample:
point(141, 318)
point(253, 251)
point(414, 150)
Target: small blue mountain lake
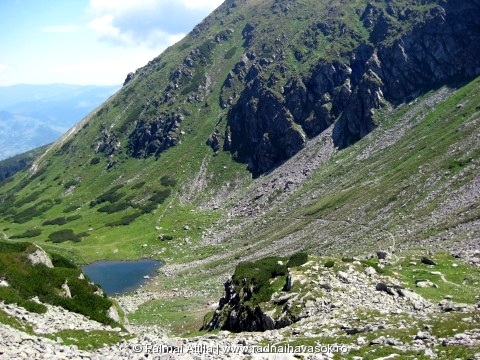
point(118, 277)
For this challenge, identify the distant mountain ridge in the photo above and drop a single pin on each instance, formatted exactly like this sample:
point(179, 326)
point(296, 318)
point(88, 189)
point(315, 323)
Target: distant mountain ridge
point(35, 115)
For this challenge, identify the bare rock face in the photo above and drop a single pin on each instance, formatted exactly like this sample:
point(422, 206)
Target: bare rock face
point(235, 314)
point(152, 136)
point(113, 314)
point(263, 130)
point(266, 127)
point(39, 256)
point(66, 290)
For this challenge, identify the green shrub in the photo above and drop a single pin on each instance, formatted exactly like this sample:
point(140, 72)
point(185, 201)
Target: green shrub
point(11, 247)
point(33, 306)
point(27, 234)
point(110, 195)
point(297, 259)
point(73, 217)
point(113, 208)
point(230, 53)
point(196, 81)
point(64, 235)
point(28, 199)
point(138, 185)
point(131, 117)
point(329, 264)
point(27, 215)
point(61, 262)
point(66, 146)
point(160, 196)
point(9, 296)
point(94, 161)
point(70, 209)
point(56, 221)
point(168, 181)
point(33, 211)
point(70, 183)
point(126, 220)
point(29, 281)
point(148, 207)
point(258, 275)
point(39, 173)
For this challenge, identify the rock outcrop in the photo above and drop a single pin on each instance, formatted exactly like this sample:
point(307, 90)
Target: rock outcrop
point(262, 129)
point(316, 290)
point(234, 313)
point(152, 136)
point(39, 256)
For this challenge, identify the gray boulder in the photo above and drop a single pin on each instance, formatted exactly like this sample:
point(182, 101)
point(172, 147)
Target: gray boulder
point(39, 256)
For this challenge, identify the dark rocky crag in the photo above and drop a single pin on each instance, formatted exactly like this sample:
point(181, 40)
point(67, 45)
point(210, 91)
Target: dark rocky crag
point(395, 64)
point(236, 313)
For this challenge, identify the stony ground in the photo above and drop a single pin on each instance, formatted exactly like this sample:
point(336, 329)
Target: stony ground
point(350, 310)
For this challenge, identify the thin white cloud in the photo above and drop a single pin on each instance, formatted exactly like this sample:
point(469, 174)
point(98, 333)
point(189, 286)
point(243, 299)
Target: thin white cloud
point(148, 23)
point(106, 69)
point(198, 4)
point(59, 28)
point(105, 29)
point(118, 7)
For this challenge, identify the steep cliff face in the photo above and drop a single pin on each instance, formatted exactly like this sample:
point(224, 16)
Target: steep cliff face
point(262, 129)
point(407, 49)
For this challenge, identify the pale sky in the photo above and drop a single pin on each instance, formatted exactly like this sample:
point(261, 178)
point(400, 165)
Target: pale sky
point(89, 42)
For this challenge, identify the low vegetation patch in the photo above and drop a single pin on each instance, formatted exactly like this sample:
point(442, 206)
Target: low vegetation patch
point(65, 235)
point(112, 195)
point(138, 185)
point(126, 220)
point(115, 207)
point(70, 208)
point(160, 196)
point(94, 161)
point(168, 181)
point(61, 220)
point(257, 276)
point(27, 281)
point(34, 211)
point(88, 340)
point(27, 234)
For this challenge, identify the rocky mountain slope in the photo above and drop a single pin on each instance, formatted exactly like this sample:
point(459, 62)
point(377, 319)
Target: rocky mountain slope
point(331, 127)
